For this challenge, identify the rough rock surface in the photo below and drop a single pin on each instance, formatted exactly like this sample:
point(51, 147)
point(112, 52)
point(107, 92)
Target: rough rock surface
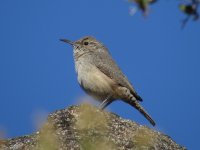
point(85, 127)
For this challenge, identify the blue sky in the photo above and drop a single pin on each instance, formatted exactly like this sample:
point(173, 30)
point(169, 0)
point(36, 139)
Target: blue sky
point(37, 71)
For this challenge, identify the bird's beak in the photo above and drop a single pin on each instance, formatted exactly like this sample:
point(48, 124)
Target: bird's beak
point(67, 41)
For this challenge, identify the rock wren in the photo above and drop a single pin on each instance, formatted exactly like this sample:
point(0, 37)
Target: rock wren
point(100, 77)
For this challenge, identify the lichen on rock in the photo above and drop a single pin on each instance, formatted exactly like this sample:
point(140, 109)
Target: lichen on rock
point(85, 127)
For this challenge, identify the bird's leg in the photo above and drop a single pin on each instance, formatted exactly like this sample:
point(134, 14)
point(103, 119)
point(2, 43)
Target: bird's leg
point(106, 102)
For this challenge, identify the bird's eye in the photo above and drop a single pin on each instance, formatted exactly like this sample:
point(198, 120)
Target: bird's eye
point(86, 43)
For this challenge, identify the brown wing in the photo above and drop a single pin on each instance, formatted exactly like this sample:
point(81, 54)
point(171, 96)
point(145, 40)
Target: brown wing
point(106, 64)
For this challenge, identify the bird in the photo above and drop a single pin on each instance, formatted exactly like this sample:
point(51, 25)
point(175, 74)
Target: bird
point(100, 77)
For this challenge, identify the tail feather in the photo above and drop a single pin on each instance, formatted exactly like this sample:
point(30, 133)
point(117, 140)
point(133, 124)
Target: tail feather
point(135, 104)
point(138, 97)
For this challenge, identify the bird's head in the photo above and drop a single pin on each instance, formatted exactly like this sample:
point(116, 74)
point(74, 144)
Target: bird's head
point(85, 45)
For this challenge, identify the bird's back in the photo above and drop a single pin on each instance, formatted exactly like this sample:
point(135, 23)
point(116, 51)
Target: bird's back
point(104, 62)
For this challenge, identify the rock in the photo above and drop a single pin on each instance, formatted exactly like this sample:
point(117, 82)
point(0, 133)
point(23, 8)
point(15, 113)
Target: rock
point(85, 127)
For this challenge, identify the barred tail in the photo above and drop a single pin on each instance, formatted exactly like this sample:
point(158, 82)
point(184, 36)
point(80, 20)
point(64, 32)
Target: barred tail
point(135, 104)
